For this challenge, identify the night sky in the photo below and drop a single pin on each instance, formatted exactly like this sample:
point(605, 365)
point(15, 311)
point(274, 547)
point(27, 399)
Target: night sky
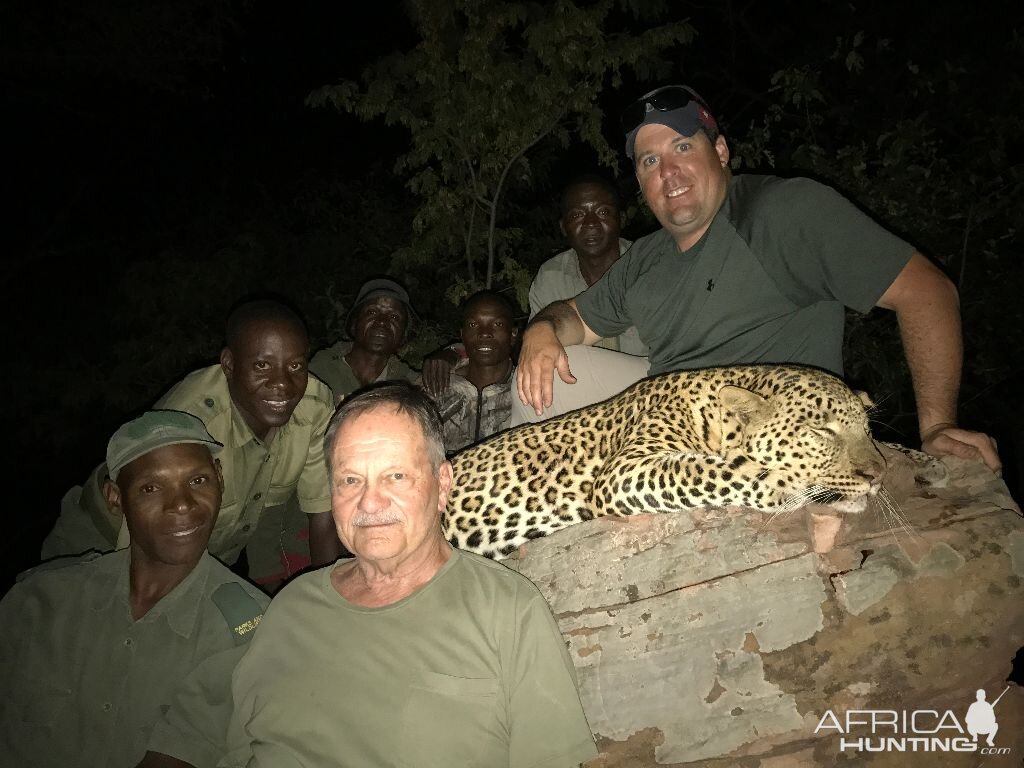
point(137, 132)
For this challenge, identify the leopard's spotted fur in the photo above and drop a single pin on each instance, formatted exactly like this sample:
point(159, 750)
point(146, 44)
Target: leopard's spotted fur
point(768, 438)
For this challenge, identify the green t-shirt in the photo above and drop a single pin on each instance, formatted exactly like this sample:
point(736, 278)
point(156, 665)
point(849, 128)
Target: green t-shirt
point(86, 685)
point(767, 283)
point(470, 670)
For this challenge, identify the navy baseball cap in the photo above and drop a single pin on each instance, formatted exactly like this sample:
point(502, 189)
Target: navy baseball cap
point(677, 106)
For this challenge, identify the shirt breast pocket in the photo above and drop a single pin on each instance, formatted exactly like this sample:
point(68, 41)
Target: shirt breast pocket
point(448, 721)
point(277, 495)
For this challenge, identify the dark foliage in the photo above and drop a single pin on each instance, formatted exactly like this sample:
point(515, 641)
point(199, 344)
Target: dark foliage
point(166, 164)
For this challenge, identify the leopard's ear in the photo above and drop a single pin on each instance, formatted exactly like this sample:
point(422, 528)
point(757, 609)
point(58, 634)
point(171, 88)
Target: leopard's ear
point(745, 405)
point(737, 408)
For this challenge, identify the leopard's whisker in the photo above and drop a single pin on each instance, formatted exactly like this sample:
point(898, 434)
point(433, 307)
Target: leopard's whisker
point(791, 503)
point(891, 511)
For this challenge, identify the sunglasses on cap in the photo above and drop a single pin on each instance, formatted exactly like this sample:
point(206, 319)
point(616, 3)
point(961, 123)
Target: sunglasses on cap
point(665, 99)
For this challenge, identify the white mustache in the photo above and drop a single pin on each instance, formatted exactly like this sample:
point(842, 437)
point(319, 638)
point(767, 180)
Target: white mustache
point(388, 517)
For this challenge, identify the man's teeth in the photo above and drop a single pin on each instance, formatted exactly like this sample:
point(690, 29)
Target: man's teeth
point(678, 192)
point(186, 533)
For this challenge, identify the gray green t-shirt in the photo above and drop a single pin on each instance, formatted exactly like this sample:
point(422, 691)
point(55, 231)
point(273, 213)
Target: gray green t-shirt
point(767, 283)
point(559, 278)
point(470, 670)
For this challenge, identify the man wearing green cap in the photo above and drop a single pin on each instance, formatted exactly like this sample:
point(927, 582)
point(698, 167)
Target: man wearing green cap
point(749, 269)
point(125, 659)
point(271, 416)
point(377, 325)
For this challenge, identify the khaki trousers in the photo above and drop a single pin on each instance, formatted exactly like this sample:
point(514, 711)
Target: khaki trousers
point(600, 374)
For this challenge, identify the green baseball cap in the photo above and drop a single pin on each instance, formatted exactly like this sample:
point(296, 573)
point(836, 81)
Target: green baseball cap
point(152, 430)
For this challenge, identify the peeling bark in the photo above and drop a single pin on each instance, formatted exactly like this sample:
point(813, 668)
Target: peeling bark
point(710, 639)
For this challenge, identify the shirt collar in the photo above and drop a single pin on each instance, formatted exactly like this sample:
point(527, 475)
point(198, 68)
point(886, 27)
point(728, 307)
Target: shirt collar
point(180, 607)
point(111, 578)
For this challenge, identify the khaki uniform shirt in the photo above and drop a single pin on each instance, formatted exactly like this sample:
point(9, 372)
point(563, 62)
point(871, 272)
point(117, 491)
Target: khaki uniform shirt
point(559, 278)
point(256, 475)
point(86, 685)
point(469, 670)
point(331, 367)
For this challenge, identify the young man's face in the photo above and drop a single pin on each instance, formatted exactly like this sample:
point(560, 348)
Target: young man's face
point(684, 179)
point(267, 373)
point(488, 332)
point(591, 220)
point(170, 498)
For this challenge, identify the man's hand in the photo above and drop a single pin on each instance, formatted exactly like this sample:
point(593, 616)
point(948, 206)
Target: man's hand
point(437, 370)
point(542, 354)
point(949, 439)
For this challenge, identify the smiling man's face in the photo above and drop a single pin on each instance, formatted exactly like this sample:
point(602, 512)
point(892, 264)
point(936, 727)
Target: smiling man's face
point(684, 179)
point(488, 331)
point(266, 372)
point(170, 498)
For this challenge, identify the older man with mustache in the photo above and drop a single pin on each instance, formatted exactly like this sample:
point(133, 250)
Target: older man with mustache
point(412, 652)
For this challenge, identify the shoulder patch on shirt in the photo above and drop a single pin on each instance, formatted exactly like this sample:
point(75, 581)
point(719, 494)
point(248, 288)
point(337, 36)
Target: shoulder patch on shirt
point(240, 610)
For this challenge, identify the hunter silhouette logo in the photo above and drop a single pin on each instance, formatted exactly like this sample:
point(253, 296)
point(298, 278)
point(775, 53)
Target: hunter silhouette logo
point(981, 717)
point(919, 730)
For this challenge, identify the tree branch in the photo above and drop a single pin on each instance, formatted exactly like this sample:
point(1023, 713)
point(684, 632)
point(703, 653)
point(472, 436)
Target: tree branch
point(497, 193)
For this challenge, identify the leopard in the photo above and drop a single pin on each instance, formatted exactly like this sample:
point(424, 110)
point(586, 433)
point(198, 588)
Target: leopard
point(766, 438)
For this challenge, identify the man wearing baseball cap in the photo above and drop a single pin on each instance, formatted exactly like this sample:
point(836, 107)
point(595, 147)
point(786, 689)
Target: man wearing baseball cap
point(378, 324)
point(749, 269)
point(126, 659)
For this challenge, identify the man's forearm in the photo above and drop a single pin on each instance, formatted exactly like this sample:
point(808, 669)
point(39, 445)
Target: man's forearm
point(928, 309)
point(564, 319)
point(932, 341)
point(934, 353)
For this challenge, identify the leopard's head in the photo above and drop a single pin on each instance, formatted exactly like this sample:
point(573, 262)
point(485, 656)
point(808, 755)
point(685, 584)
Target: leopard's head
point(810, 438)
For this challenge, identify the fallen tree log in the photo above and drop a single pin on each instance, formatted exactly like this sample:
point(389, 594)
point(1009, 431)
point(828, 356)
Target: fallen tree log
point(715, 638)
